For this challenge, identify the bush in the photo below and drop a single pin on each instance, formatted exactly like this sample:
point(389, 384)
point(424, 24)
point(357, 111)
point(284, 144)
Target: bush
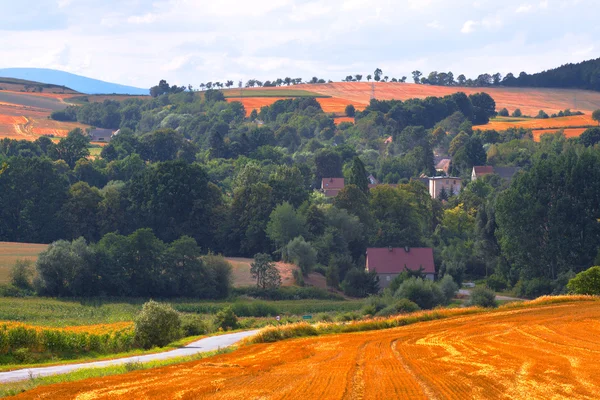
point(503, 112)
point(483, 297)
point(350, 110)
point(401, 306)
point(360, 283)
point(193, 325)
point(533, 288)
point(586, 282)
point(373, 305)
point(517, 113)
point(226, 319)
point(21, 274)
point(496, 283)
point(448, 287)
point(157, 325)
point(298, 277)
point(425, 293)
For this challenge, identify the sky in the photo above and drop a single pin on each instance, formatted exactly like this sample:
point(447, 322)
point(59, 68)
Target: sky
point(138, 42)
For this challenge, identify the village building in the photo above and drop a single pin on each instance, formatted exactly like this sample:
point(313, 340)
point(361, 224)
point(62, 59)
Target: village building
point(451, 185)
point(506, 173)
point(102, 135)
point(331, 186)
point(389, 262)
point(443, 166)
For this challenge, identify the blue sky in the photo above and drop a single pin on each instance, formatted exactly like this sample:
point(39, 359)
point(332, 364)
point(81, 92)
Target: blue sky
point(138, 42)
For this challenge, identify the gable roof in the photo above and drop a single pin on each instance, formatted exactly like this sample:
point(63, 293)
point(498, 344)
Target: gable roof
point(392, 261)
point(101, 134)
point(483, 170)
point(332, 183)
point(444, 164)
point(506, 172)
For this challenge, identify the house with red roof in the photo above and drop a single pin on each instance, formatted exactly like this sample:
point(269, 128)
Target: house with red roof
point(481, 170)
point(332, 186)
point(389, 262)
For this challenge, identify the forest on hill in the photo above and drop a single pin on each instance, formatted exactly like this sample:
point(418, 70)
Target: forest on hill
point(190, 174)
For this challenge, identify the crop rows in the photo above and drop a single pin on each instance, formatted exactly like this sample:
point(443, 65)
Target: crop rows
point(535, 352)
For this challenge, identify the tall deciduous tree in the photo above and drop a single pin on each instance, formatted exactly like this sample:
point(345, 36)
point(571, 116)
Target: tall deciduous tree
point(358, 176)
point(264, 271)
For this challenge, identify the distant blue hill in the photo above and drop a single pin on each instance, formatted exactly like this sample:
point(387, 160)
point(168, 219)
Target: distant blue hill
point(76, 82)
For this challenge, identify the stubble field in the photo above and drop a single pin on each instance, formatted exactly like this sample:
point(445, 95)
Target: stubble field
point(10, 252)
point(535, 352)
point(529, 100)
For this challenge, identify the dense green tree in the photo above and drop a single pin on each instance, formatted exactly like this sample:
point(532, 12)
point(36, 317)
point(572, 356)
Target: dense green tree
point(590, 137)
point(72, 148)
point(80, 211)
point(250, 211)
point(548, 218)
point(358, 176)
point(484, 107)
point(285, 223)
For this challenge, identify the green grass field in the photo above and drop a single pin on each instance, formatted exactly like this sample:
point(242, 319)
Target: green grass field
point(278, 92)
point(61, 313)
point(10, 252)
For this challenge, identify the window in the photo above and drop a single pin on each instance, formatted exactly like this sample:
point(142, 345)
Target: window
point(455, 181)
point(387, 278)
point(447, 181)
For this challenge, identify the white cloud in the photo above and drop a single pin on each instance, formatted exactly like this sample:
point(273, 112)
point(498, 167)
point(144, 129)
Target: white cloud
point(142, 19)
point(435, 25)
point(469, 26)
point(524, 8)
point(543, 4)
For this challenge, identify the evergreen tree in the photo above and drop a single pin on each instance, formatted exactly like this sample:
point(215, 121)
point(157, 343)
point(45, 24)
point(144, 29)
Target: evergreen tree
point(358, 176)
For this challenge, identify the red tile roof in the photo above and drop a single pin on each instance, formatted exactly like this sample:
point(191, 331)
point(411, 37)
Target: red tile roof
point(483, 170)
point(384, 261)
point(332, 183)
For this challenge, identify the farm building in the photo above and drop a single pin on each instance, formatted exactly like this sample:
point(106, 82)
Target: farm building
point(506, 173)
point(443, 166)
point(332, 186)
point(388, 262)
point(102, 135)
point(451, 185)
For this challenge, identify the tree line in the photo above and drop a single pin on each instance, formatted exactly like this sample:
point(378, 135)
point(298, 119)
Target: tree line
point(196, 166)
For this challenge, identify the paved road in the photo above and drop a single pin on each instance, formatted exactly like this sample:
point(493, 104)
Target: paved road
point(467, 292)
point(200, 346)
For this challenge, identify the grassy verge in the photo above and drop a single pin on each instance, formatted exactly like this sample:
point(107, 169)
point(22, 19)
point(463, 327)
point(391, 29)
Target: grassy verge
point(14, 388)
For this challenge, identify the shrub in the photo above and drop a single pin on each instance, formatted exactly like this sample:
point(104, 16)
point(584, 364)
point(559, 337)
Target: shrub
point(483, 297)
point(401, 306)
point(533, 288)
point(298, 277)
point(586, 282)
point(517, 113)
point(373, 305)
point(157, 325)
point(350, 110)
point(503, 112)
point(21, 274)
point(348, 316)
point(496, 282)
point(193, 325)
point(448, 287)
point(226, 319)
point(360, 283)
point(425, 293)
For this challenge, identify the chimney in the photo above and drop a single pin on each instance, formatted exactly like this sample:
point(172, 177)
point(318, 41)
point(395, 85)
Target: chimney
point(406, 249)
point(390, 249)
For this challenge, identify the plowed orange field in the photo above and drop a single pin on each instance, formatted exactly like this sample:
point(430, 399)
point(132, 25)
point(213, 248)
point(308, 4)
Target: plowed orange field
point(569, 132)
point(543, 352)
point(529, 100)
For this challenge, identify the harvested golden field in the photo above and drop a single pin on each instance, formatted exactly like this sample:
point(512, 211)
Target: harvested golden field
point(529, 100)
point(503, 123)
point(568, 132)
point(10, 252)
point(531, 352)
point(242, 277)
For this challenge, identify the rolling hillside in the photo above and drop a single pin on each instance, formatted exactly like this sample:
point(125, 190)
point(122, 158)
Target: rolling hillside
point(538, 351)
point(529, 100)
point(76, 82)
